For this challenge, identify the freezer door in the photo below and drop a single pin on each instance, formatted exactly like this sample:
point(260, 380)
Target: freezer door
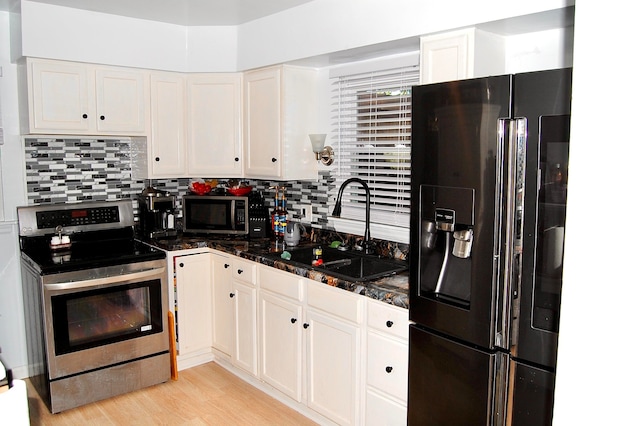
point(457, 150)
point(451, 383)
point(544, 98)
point(531, 395)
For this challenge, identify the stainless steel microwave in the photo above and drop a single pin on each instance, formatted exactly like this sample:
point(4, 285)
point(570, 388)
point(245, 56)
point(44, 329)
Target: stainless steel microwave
point(215, 214)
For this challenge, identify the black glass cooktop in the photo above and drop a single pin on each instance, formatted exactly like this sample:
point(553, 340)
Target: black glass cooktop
point(88, 250)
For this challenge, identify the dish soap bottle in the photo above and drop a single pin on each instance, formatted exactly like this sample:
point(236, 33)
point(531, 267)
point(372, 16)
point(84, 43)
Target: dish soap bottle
point(317, 256)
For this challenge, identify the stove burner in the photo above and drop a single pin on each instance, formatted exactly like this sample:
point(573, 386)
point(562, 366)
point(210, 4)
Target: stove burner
point(101, 234)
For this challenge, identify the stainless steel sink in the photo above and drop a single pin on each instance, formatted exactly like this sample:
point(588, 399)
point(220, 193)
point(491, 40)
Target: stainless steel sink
point(348, 265)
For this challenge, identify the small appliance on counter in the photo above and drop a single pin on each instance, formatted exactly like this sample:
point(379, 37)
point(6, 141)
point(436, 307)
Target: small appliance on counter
point(259, 221)
point(157, 213)
point(215, 215)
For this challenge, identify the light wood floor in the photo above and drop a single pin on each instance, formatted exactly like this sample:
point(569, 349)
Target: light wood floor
point(203, 395)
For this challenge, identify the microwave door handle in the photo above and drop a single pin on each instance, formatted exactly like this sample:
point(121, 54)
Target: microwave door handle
point(232, 216)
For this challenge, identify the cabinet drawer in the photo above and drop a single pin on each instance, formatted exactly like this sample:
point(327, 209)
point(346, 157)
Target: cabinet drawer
point(244, 270)
point(283, 283)
point(387, 362)
point(388, 319)
point(335, 301)
point(381, 411)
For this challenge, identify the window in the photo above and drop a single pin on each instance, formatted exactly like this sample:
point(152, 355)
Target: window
point(372, 116)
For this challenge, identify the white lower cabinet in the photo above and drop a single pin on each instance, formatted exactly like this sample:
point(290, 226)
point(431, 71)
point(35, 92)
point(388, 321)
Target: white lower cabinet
point(387, 364)
point(281, 344)
point(193, 310)
point(223, 304)
point(339, 356)
point(311, 351)
point(382, 411)
point(333, 352)
point(281, 326)
point(244, 354)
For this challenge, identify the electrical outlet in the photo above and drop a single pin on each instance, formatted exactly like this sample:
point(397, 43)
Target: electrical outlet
point(306, 213)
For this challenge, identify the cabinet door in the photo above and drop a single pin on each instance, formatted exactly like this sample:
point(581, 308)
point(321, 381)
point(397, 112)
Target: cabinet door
point(333, 353)
point(281, 344)
point(193, 281)
point(263, 156)
point(382, 411)
point(245, 343)
point(456, 55)
point(121, 97)
point(167, 147)
point(444, 57)
point(387, 365)
point(222, 304)
point(60, 97)
point(214, 111)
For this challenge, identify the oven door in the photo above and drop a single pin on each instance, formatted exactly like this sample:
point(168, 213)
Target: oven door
point(104, 316)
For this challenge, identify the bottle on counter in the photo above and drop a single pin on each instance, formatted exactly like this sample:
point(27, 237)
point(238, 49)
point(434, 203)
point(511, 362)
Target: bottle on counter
point(317, 256)
point(282, 228)
point(274, 215)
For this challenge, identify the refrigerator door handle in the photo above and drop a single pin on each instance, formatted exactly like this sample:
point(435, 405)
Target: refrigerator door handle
point(499, 235)
point(515, 221)
point(513, 187)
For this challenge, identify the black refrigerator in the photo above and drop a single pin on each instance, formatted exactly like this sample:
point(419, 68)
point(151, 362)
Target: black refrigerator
point(489, 161)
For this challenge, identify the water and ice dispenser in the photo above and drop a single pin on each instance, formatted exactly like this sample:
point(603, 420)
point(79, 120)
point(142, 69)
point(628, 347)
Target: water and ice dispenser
point(447, 227)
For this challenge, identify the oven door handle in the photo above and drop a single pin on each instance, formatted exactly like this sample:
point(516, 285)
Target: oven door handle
point(104, 281)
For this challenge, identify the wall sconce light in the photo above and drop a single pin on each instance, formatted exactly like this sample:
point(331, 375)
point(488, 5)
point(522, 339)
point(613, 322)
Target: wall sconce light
point(323, 153)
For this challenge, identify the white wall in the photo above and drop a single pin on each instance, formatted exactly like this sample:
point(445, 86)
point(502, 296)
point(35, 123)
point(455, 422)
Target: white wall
point(326, 26)
point(540, 50)
point(596, 365)
point(12, 337)
point(212, 48)
point(597, 372)
point(315, 28)
point(75, 35)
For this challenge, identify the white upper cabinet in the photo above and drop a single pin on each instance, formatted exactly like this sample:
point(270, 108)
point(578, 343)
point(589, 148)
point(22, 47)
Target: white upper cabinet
point(195, 127)
point(59, 96)
point(280, 111)
point(214, 125)
point(74, 98)
point(121, 101)
point(167, 147)
point(460, 54)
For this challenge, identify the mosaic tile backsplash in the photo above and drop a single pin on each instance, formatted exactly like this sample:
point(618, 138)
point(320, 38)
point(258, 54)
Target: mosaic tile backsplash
point(72, 169)
point(77, 169)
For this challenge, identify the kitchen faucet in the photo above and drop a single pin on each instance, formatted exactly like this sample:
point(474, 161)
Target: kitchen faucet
point(366, 244)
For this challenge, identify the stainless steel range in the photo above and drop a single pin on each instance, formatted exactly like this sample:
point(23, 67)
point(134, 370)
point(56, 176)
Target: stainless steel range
point(95, 303)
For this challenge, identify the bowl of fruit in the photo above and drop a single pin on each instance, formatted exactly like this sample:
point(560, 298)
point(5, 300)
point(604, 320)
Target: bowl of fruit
point(238, 188)
point(201, 186)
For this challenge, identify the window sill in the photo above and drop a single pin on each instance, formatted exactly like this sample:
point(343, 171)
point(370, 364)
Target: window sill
point(378, 231)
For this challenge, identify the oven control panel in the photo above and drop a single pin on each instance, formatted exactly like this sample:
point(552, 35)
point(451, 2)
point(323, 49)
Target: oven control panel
point(77, 217)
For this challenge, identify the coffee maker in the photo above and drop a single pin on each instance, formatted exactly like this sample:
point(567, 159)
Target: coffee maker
point(157, 213)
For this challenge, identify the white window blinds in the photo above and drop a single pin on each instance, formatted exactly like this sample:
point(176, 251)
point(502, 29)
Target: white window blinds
point(372, 116)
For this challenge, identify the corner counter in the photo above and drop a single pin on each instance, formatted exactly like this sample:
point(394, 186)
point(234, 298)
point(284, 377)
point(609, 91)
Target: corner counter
point(393, 289)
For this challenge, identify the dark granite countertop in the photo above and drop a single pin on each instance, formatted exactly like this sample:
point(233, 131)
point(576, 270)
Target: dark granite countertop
point(393, 289)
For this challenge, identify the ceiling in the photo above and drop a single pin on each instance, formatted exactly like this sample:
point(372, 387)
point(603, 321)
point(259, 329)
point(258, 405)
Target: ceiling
point(181, 12)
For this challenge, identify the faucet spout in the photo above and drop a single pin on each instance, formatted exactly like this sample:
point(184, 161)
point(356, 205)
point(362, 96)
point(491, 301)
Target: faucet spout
point(367, 246)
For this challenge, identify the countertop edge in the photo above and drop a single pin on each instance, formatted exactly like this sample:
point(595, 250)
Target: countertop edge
point(393, 289)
